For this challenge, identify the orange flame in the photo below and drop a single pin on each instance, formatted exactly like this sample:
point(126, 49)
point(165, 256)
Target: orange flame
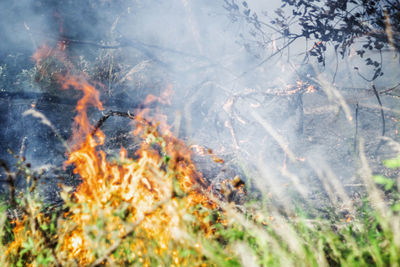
point(140, 183)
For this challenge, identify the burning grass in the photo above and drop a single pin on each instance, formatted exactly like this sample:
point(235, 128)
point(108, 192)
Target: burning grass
point(151, 207)
point(153, 197)
point(163, 223)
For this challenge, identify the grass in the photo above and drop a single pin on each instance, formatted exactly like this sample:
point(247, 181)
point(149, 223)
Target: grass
point(160, 218)
point(217, 234)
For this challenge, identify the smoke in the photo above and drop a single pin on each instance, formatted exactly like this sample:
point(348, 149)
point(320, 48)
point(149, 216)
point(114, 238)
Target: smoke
point(234, 88)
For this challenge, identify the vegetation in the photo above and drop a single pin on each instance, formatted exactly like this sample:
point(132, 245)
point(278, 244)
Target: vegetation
point(149, 205)
point(210, 233)
point(345, 24)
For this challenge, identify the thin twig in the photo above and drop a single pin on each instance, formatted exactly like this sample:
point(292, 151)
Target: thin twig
point(275, 135)
point(23, 147)
point(356, 131)
point(10, 181)
point(382, 141)
point(300, 107)
point(337, 66)
point(389, 89)
point(381, 108)
point(43, 119)
point(110, 114)
point(265, 60)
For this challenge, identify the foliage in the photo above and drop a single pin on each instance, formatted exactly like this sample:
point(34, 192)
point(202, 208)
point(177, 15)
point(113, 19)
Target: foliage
point(364, 25)
point(345, 22)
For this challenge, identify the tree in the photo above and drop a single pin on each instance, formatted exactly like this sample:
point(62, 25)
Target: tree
point(374, 24)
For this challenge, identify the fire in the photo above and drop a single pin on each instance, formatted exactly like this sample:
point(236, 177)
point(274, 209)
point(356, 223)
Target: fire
point(152, 189)
point(140, 184)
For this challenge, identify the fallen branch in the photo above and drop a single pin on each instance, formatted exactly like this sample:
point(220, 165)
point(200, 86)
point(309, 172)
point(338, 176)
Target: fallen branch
point(39, 97)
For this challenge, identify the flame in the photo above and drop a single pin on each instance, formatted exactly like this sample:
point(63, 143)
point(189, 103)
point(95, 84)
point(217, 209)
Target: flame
point(139, 183)
point(153, 187)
